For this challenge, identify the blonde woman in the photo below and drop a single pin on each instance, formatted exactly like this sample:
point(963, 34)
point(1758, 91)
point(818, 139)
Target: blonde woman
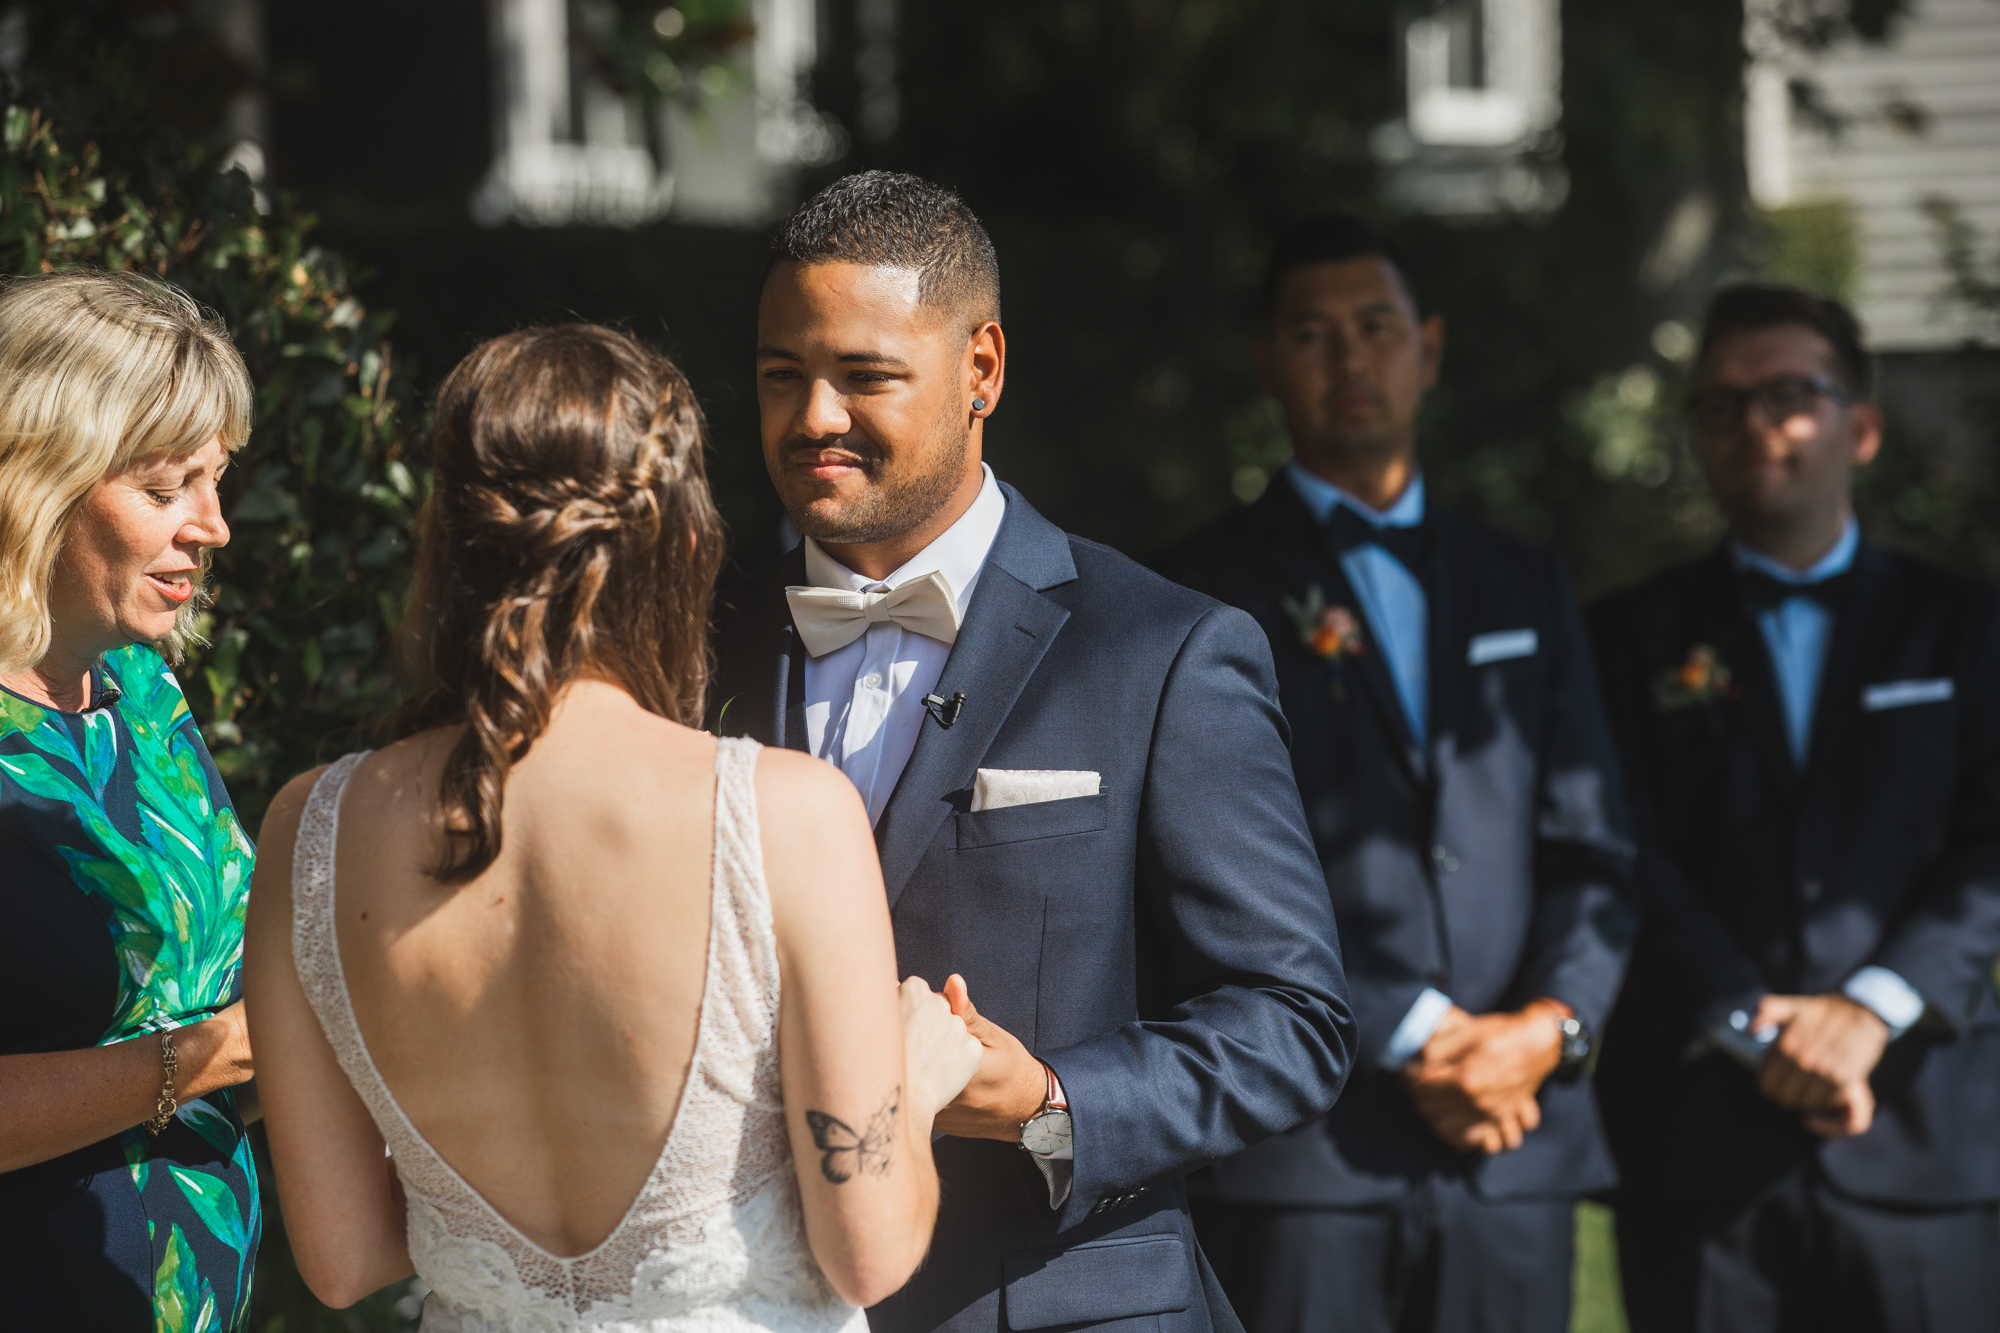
point(128, 1197)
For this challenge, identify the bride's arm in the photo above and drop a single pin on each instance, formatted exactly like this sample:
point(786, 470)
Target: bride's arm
point(339, 1195)
point(859, 1115)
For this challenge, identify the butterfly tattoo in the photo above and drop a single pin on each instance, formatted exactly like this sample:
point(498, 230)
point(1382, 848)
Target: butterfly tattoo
point(869, 1149)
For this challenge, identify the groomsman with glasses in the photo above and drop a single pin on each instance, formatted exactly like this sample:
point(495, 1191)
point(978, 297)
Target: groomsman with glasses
point(1802, 1079)
point(1462, 789)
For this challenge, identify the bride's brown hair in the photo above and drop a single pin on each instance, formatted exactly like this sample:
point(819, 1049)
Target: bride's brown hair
point(569, 533)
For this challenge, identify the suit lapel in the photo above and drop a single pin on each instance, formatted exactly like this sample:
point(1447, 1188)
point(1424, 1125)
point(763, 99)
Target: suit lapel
point(1849, 658)
point(1449, 635)
point(1008, 629)
point(758, 670)
point(1296, 545)
point(1758, 709)
point(791, 704)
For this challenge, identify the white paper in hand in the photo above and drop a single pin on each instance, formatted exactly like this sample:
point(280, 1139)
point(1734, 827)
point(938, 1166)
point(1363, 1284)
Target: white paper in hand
point(998, 788)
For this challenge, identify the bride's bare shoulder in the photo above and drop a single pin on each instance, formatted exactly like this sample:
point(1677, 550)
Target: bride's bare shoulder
point(810, 792)
point(814, 832)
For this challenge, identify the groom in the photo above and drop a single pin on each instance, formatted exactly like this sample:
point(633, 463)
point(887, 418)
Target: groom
point(1078, 777)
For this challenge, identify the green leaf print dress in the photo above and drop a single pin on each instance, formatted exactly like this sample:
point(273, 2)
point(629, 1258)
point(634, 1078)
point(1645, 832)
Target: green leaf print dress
point(123, 878)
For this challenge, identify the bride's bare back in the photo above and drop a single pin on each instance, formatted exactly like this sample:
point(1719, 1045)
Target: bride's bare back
point(534, 1019)
point(536, 1023)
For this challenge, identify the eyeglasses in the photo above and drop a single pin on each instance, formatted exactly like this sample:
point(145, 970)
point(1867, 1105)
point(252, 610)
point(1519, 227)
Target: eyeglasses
point(1777, 400)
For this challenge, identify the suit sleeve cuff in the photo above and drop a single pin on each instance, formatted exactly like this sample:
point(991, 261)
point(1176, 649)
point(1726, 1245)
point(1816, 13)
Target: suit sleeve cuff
point(1890, 998)
point(1415, 1030)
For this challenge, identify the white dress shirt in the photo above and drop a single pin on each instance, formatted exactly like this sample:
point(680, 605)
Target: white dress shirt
point(1397, 613)
point(1797, 631)
point(864, 702)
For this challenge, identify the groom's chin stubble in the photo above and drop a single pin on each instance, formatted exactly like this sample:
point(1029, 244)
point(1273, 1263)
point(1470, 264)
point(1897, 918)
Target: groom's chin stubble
point(876, 511)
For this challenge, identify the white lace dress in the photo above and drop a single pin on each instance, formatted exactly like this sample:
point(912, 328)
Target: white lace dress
point(715, 1240)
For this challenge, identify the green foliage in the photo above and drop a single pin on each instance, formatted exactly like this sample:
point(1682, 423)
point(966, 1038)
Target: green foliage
point(689, 51)
point(321, 498)
point(1975, 278)
point(1814, 245)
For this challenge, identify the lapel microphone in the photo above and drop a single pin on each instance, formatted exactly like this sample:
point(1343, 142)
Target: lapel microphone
point(945, 711)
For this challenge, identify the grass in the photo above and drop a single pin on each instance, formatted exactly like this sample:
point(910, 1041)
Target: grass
point(1599, 1304)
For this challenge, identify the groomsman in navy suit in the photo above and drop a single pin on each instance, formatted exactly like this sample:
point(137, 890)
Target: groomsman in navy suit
point(1802, 1080)
point(1077, 773)
point(1462, 790)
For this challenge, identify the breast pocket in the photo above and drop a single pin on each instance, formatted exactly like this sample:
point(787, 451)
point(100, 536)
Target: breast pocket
point(1032, 823)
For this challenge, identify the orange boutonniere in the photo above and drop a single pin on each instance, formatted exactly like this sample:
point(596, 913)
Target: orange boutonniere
point(1331, 633)
point(1702, 681)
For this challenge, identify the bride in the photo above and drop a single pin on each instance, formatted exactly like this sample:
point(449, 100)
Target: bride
point(616, 999)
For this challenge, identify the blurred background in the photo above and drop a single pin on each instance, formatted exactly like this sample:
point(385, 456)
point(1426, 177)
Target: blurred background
point(367, 188)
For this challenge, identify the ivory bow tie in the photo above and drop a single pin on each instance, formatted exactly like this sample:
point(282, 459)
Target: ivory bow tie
point(831, 618)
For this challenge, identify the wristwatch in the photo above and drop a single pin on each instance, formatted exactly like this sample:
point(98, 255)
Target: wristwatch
point(1047, 1131)
point(1574, 1046)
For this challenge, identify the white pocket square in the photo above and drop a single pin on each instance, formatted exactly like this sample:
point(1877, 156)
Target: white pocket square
point(1903, 693)
point(998, 788)
point(1502, 645)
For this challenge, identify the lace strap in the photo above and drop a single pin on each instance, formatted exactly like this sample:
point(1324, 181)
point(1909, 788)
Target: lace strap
point(737, 838)
point(739, 1034)
point(315, 953)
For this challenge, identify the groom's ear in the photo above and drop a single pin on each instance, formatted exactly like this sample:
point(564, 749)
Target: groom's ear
point(986, 364)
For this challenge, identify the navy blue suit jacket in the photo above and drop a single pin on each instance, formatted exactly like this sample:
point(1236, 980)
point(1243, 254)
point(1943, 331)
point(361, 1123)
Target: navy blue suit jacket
point(1493, 863)
point(1166, 945)
point(1758, 877)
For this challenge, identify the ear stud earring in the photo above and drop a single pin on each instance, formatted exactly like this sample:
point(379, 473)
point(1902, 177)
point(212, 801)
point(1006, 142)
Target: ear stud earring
point(979, 404)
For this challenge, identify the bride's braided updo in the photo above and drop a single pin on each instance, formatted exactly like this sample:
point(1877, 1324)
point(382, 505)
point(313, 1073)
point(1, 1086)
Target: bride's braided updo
point(570, 533)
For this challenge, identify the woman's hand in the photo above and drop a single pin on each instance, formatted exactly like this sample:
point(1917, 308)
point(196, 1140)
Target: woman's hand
point(57, 1102)
point(214, 1053)
point(940, 1056)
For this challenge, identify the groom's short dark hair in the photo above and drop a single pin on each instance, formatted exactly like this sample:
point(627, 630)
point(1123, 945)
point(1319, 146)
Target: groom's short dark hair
point(888, 219)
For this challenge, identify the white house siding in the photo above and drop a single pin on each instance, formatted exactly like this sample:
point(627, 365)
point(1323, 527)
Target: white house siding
point(1943, 61)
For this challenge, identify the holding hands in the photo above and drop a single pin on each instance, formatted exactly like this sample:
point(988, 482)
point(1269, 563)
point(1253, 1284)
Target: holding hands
point(1010, 1083)
point(939, 1054)
point(1820, 1063)
point(1475, 1080)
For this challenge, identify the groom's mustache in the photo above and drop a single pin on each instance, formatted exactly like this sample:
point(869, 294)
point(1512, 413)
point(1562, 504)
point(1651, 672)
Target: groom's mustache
point(860, 452)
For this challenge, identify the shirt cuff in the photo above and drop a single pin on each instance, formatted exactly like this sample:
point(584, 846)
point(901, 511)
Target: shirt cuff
point(1059, 1167)
point(1890, 998)
point(1059, 1173)
point(1410, 1035)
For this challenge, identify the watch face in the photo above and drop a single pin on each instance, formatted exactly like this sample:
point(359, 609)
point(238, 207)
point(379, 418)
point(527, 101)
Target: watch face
point(1046, 1133)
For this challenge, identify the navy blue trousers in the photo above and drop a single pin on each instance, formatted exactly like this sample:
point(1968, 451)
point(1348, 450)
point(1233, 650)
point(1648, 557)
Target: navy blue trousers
point(1441, 1260)
point(1803, 1258)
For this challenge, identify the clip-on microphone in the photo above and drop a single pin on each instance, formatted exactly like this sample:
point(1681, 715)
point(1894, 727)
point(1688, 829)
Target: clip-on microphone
point(945, 711)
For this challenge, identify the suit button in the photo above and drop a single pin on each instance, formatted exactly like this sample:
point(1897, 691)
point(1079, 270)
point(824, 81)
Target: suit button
point(1442, 858)
point(1811, 890)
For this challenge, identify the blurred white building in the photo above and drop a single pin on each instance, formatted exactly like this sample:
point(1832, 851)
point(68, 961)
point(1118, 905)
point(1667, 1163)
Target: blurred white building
point(1483, 99)
point(569, 149)
point(1885, 130)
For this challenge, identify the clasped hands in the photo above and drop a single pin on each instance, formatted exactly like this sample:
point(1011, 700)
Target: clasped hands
point(1827, 1047)
point(1475, 1080)
point(1007, 1088)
